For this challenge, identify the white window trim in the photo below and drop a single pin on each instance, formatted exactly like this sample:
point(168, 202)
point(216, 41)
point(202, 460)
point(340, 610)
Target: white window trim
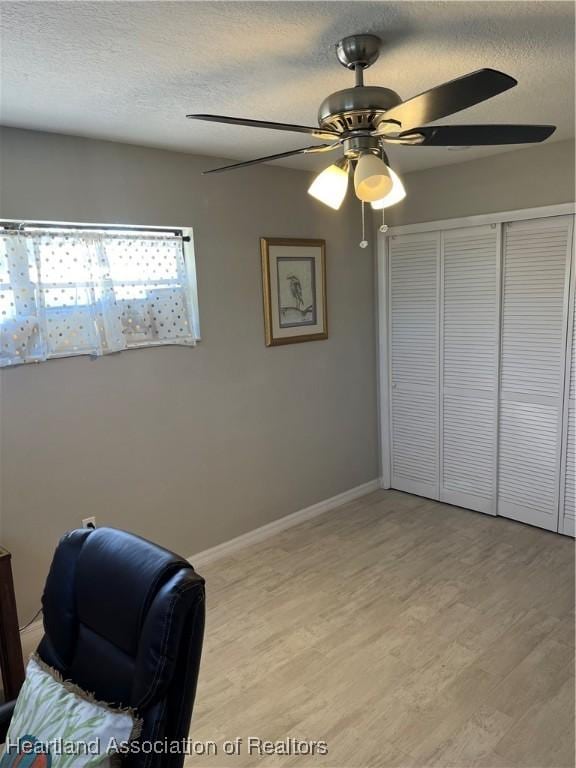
point(190, 262)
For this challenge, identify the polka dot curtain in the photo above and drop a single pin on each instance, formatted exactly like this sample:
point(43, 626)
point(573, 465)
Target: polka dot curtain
point(84, 292)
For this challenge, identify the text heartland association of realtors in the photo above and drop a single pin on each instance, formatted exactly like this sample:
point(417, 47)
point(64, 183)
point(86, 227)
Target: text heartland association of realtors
point(252, 745)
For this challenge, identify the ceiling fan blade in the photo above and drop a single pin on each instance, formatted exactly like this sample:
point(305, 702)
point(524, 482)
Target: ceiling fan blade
point(318, 133)
point(475, 135)
point(446, 99)
point(303, 151)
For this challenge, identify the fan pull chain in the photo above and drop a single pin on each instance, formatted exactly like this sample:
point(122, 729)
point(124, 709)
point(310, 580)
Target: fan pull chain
point(383, 227)
point(363, 242)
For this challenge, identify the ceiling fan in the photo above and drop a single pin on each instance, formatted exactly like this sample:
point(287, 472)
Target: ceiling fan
point(364, 119)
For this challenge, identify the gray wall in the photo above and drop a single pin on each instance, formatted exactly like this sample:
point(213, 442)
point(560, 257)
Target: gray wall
point(526, 178)
point(193, 447)
point(189, 447)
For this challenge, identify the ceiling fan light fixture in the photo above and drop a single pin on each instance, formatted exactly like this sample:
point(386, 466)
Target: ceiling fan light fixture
point(363, 120)
point(331, 184)
point(372, 179)
point(396, 194)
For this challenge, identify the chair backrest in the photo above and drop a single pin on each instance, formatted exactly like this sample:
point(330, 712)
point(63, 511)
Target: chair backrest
point(124, 619)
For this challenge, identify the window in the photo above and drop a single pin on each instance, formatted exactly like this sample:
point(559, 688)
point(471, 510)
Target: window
point(75, 291)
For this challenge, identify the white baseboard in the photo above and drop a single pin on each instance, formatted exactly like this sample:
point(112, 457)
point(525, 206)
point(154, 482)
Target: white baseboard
point(265, 531)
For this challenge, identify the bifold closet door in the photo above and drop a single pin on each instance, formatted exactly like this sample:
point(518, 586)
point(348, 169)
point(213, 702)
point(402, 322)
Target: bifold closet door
point(414, 367)
point(534, 331)
point(469, 352)
point(568, 472)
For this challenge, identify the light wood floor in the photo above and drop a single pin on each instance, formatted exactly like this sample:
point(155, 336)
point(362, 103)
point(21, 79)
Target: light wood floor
point(403, 632)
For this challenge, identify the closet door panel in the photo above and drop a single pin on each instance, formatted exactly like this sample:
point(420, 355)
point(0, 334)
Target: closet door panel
point(568, 474)
point(469, 366)
point(413, 302)
point(415, 442)
point(528, 457)
point(468, 452)
point(534, 323)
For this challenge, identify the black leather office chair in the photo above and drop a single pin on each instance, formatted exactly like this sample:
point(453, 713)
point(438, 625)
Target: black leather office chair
point(124, 619)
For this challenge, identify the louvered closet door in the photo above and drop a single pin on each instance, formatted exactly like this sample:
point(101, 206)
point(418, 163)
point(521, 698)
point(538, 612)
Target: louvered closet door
point(470, 328)
point(534, 324)
point(568, 472)
point(413, 301)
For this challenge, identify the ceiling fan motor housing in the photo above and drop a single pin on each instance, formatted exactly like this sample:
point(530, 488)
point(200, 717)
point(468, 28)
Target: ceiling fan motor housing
point(356, 109)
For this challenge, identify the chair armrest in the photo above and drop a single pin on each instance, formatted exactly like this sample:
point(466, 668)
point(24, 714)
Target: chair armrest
point(6, 712)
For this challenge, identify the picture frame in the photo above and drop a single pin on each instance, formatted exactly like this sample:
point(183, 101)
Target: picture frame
point(294, 290)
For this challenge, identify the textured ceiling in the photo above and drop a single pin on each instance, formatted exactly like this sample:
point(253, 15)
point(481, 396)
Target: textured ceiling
point(130, 71)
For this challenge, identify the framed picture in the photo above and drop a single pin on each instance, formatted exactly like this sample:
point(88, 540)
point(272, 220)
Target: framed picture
point(294, 283)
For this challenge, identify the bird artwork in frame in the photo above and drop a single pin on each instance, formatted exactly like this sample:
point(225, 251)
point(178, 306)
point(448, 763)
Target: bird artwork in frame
point(294, 289)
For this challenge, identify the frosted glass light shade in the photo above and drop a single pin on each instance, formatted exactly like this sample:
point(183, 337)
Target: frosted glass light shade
point(372, 178)
point(330, 186)
point(396, 194)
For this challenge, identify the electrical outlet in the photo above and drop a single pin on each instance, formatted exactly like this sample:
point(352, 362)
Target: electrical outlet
point(89, 522)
